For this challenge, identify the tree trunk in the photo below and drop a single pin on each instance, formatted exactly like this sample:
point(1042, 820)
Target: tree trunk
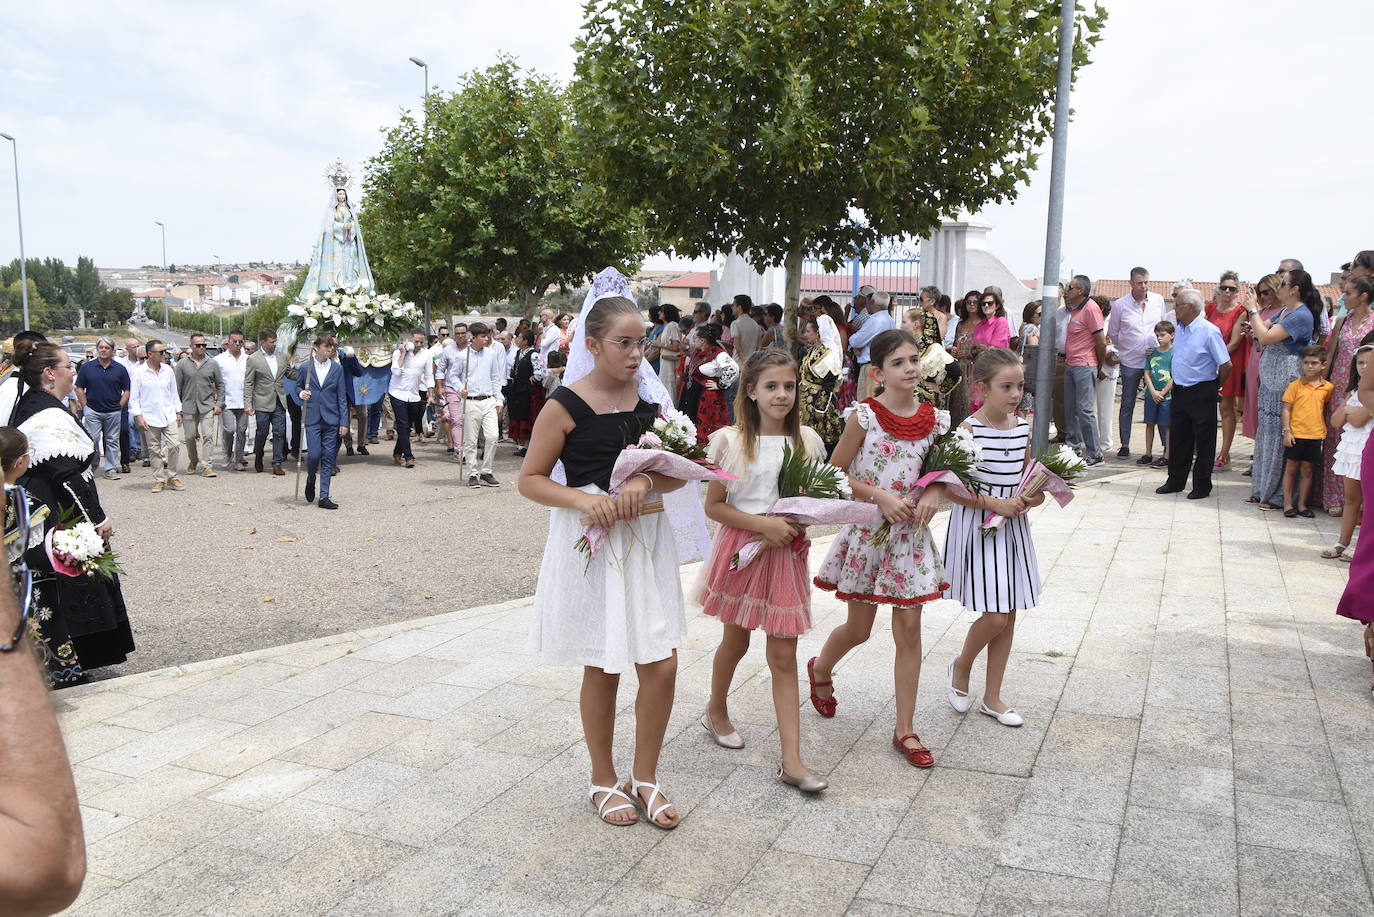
point(792, 265)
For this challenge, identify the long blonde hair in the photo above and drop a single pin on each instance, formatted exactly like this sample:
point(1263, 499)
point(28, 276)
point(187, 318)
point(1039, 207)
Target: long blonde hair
point(747, 419)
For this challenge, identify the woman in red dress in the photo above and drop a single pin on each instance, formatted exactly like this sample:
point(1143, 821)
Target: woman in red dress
point(702, 398)
point(1226, 313)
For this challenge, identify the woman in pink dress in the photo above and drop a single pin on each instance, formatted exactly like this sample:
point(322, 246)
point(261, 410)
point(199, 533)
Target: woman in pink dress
point(1357, 602)
point(1347, 335)
point(992, 331)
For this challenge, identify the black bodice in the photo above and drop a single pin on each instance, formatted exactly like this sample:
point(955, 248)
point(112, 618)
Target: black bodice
point(596, 440)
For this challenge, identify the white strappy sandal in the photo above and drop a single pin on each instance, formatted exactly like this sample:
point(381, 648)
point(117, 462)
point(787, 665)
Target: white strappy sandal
point(650, 812)
point(602, 811)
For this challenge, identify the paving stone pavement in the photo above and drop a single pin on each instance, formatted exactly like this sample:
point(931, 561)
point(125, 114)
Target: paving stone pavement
point(1198, 726)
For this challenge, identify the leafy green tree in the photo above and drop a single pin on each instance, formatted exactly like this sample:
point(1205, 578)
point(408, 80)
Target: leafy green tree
point(781, 128)
point(487, 199)
point(115, 308)
point(86, 289)
point(12, 307)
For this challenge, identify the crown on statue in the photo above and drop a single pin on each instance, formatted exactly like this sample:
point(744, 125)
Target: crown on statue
point(338, 175)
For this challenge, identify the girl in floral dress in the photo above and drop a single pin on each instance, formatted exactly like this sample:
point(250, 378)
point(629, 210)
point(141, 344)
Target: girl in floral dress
point(884, 442)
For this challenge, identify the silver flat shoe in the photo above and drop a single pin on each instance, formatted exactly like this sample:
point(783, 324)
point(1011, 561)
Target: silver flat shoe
point(731, 740)
point(808, 784)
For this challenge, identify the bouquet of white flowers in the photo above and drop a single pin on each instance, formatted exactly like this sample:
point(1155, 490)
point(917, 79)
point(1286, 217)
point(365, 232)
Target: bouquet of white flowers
point(355, 313)
point(669, 448)
point(1053, 471)
point(77, 549)
point(951, 460)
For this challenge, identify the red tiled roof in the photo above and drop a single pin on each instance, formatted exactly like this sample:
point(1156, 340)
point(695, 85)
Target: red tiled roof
point(1115, 289)
point(696, 279)
point(904, 285)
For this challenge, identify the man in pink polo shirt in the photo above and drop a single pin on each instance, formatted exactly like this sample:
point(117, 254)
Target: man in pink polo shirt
point(1085, 356)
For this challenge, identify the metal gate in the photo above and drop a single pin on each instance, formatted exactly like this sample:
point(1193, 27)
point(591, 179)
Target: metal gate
point(898, 276)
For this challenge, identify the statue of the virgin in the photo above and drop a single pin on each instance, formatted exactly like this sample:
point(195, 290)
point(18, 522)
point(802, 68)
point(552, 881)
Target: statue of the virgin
point(339, 261)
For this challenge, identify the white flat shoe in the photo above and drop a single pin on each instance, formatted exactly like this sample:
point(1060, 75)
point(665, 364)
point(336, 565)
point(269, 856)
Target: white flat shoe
point(731, 740)
point(1009, 718)
point(959, 700)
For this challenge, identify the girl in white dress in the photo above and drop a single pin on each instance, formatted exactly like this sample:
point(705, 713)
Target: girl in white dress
point(993, 574)
point(883, 445)
point(623, 607)
point(1353, 420)
point(773, 593)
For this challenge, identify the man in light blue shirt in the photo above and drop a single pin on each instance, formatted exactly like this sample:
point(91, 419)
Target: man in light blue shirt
point(1201, 364)
point(879, 320)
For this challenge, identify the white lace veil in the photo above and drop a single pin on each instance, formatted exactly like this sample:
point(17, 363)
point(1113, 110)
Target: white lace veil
point(832, 363)
point(683, 506)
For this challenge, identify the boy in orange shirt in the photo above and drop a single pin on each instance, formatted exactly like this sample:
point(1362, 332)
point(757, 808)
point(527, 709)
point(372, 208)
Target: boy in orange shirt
point(1304, 429)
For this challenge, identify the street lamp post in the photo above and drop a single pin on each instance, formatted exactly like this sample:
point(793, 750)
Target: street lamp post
point(419, 63)
point(167, 281)
point(1049, 292)
point(19, 212)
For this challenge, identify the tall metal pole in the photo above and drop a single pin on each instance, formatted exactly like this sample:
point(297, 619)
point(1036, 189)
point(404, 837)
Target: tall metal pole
point(1049, 287)
point(19, 212)
point(167, 280)
point(424, 304)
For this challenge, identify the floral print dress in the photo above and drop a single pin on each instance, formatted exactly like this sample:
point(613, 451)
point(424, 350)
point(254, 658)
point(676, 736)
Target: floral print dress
point(906, 571)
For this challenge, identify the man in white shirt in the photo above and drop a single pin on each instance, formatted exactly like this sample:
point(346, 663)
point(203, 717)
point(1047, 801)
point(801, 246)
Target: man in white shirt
point(471, 383)
point(233, 362)
point(1131, 327)
point(412, 372)
point(879, 320)
point(155, 406)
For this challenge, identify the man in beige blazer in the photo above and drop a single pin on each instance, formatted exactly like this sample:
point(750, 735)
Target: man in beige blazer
point(265, 399)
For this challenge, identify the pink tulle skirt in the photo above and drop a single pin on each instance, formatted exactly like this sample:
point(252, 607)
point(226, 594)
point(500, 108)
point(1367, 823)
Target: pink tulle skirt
point(771, 594)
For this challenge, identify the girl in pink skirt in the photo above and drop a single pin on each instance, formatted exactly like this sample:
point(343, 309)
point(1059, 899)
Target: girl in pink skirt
point(773, 593)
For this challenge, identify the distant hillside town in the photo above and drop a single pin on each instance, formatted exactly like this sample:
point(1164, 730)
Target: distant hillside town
point(202, 288)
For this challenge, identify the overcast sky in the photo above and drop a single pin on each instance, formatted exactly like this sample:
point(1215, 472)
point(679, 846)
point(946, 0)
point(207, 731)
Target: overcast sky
point(1207, 135)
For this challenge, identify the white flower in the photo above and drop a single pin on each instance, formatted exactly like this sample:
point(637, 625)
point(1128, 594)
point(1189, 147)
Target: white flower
point(942, 419)
point(310, 321)
point(963, 437)
point(294, 309)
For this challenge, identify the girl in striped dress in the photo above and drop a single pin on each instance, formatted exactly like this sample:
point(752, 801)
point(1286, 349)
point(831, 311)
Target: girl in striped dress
point(993, 574)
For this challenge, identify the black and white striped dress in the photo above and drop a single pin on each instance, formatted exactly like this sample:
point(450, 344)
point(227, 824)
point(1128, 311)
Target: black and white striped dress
point(993, 572)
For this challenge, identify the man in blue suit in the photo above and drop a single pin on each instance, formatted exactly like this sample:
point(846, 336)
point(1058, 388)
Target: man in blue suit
point(324, 391)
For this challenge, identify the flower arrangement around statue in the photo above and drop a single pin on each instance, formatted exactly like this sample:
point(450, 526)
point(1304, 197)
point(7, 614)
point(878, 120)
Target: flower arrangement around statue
point(355, 313)
point(77, 549)
point(669, 448)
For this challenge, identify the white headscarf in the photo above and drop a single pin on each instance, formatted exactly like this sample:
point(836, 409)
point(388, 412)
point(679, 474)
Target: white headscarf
point(833, 361)
point(683, 506)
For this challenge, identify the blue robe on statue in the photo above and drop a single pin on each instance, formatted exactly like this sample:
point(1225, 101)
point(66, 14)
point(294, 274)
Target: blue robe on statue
point(339, 261)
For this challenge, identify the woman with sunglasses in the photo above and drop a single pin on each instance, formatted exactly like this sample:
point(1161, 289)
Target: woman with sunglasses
point(1226, 313)
point(970, 313)
point(1267, 301)
point(992, 330)
point(1349, 332)
point(1293, 328)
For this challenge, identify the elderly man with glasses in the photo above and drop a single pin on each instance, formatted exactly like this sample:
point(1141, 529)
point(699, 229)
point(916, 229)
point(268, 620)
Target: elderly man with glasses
point(1201, 364)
